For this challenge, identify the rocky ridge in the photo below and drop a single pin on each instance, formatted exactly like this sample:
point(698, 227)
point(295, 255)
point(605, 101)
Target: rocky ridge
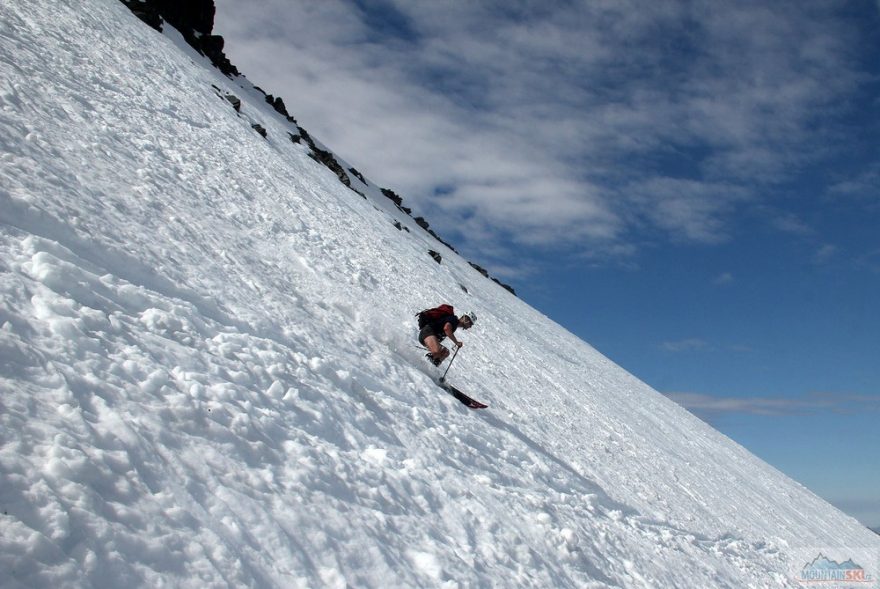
point(194, 20)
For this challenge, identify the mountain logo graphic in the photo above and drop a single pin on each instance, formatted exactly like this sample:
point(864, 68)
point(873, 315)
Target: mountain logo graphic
point(823, 570)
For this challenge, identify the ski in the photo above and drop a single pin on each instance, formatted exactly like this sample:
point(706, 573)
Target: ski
point(466, 400)
point(469, 402)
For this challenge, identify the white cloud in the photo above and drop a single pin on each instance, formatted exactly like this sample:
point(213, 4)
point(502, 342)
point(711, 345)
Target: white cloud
point(687, 209)
point(583, 121)
point(792, 224)
point(864, 185)
point(825, 253)
point(812, 403)
point(723, 279)
point(685, 345)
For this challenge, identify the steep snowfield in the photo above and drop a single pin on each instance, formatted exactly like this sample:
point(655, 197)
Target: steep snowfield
point(209, 373)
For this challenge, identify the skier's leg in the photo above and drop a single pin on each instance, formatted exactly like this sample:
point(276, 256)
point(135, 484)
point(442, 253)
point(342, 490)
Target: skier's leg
point(432, 344)
point(438, 352)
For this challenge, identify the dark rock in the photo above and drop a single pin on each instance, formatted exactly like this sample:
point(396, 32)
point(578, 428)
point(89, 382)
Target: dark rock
point(212, 47)
point(195, 21)
point(437, 237)
point(437, 257)
point(506, 287)
point(148, 13)
point(294, 138)
point(278, 105)
point(235, 101)
point(479, 269)
point(358, 175)
point(190, 16)
point(485, 273)
point(326, 158)
point(395, 198)
point(305, 135)
point(260, 129)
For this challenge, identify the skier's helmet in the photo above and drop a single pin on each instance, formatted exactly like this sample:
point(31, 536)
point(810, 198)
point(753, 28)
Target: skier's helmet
point(472, 316)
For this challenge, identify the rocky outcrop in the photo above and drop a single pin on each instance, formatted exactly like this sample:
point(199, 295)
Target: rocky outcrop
point(485, 273)
point(358, 175)
point(421, 222)
point(279, 107)
point(506, 287)
point(325, 157)
point(234, 100)
point(195, 21)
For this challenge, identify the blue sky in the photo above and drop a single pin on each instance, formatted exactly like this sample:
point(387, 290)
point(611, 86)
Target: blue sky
point(691, 187)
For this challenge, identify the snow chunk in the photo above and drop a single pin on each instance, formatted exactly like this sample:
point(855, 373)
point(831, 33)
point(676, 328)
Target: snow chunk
point(426, 563)
point(375, 455)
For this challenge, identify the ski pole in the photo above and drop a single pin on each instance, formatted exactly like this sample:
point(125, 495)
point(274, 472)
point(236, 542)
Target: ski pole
point(443, 378)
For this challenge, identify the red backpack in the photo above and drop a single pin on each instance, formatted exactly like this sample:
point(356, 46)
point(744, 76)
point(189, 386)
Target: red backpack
point(429, 315)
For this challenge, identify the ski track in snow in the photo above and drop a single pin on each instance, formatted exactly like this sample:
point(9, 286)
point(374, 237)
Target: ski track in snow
point(209, 376)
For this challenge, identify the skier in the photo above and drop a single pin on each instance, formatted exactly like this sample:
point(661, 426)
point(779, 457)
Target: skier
point(436, 325)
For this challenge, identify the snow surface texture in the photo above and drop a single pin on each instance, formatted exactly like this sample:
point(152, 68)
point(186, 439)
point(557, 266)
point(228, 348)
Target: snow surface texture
point(209, 373)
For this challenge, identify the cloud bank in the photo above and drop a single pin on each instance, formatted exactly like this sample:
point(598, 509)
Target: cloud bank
point(566, 124)
point(710, 405)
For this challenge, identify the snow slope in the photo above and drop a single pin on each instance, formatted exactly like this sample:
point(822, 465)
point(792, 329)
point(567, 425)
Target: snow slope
point(209, 373)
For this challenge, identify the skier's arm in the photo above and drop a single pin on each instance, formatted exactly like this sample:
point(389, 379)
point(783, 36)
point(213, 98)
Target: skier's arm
point(447, 329)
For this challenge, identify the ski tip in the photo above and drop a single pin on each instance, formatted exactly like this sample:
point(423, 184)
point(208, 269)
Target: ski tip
point(465, 400)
